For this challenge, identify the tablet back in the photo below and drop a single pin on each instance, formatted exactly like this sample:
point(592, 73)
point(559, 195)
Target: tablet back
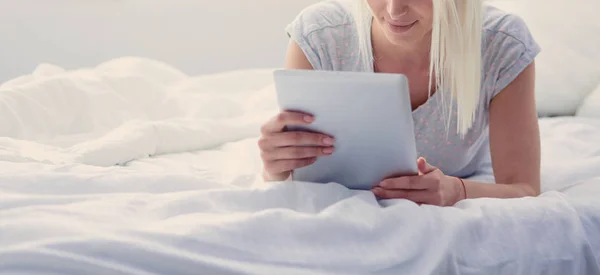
point(368, 114)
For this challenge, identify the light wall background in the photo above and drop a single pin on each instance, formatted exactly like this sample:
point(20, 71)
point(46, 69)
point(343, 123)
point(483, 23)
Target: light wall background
point(209, 36)
point(196, 36)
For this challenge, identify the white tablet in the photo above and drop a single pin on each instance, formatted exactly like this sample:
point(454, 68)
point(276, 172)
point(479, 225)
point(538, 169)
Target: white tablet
point(368, 114)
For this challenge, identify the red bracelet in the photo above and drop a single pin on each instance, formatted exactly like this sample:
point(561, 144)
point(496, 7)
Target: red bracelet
point(464, 187)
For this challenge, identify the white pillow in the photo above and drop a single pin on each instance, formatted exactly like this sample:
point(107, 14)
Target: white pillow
point(568, 68)
point(591, 105)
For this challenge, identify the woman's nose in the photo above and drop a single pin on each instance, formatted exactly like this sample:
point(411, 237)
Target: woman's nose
point(397, 9)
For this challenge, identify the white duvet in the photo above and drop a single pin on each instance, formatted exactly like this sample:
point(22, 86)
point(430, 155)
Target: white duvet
point(135, 168)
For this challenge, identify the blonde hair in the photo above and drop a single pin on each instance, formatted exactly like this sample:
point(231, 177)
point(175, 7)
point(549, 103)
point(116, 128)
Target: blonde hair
point(455, 58)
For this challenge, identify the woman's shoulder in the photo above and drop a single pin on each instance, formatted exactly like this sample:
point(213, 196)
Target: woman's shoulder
point(327, 34)
point(322, 16)
point(500, 26)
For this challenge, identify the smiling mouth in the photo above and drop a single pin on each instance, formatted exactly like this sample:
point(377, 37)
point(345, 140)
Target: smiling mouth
point(401, 27)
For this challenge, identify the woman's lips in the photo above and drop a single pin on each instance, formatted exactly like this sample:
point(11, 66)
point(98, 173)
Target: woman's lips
point(400, 27)
point(402, 24)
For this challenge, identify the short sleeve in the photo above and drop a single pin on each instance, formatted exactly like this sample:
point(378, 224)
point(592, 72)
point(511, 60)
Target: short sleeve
point(315, 30)
point(510, 49)
point(299, 30)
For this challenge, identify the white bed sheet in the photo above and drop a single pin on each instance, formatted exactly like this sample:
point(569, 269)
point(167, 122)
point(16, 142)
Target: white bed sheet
point(185, 197)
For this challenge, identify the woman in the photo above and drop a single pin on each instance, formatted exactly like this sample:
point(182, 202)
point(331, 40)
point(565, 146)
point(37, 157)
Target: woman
point(471, 74)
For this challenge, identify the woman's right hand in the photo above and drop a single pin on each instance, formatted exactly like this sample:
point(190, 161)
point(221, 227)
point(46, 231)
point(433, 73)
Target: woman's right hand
point(282, 152)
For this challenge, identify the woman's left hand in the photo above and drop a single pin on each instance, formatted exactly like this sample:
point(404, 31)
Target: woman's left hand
point(431, 186)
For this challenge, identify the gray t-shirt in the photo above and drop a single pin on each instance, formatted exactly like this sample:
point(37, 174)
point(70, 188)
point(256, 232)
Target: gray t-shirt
point(327, 34)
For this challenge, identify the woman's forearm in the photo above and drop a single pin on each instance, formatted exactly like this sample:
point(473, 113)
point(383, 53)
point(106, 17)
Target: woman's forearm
point(476, 189)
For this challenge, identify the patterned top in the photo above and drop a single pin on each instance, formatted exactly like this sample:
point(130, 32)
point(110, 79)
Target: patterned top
point(327, 34)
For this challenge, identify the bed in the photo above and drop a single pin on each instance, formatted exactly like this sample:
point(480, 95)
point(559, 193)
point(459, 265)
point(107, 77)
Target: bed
point(132, 167)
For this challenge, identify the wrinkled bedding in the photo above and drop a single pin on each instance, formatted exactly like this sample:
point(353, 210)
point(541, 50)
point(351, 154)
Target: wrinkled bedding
point(133, 167)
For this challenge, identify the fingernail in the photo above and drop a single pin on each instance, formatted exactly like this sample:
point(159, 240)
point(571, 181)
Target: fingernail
point(384, 184)
point(377, 190)
point(328, 141)
point(328, 150)
point(308, 119)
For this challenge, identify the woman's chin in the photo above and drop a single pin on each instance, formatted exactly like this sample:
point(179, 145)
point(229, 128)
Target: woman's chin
point(401, 40)
point(401, 36)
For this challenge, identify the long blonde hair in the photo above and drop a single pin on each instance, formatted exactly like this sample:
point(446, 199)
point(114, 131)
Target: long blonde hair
point(455, 58)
